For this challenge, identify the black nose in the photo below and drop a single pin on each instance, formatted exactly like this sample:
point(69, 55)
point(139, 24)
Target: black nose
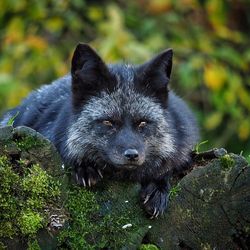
point(131, 154)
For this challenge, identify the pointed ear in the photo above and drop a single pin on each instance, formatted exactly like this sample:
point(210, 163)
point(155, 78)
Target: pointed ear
point(89, 74)
point(155, 74)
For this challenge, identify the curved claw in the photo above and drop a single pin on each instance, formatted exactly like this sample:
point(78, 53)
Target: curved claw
point(157, 214)
point(89, 182)
point(84, 182)
point(154, 200)
point(77, 179)
point(146, 199)
point(87, 176)
point(99, 172)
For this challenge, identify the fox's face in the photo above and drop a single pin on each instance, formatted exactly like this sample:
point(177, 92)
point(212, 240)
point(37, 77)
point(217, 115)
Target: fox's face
point(120, 111)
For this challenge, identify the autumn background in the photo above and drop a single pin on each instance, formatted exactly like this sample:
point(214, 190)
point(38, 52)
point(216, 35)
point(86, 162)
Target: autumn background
point(210, 39)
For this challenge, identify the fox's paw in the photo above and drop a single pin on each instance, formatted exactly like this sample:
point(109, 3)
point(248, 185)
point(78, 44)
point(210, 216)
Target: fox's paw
point(154, 200)
point(87, 177)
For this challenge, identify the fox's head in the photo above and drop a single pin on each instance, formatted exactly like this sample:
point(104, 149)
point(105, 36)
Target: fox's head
point(120, 111)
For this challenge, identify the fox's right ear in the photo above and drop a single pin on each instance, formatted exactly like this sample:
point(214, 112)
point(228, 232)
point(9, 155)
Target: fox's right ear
point(155, 74)
point(89, 74)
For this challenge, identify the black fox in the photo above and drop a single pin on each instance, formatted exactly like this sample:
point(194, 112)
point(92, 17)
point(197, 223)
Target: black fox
point(117, 117)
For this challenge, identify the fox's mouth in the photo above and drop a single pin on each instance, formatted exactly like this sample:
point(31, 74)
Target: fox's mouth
point(126, 166)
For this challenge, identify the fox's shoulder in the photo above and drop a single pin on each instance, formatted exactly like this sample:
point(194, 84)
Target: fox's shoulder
point(58, 88)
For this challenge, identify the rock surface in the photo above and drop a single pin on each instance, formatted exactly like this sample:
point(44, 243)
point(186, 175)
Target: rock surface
point(212, 209)
point(209, 208)
point(28, 194)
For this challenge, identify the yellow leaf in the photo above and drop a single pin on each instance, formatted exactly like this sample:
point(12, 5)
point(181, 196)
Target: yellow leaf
point(213, 120)
point(36, 42)
point(158, 6)
point(215, 76)
point(230, 97)
point(226, 33)
point(216, 12)
point(55, 24)
point(62, 69)
point(244, 97)
point(192, 3)
point(14, 31)
point(95, 13)
point(244, 130)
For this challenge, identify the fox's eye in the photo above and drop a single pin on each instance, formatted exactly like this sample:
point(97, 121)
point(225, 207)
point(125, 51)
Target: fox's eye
point(142, 124)
point(107, 123)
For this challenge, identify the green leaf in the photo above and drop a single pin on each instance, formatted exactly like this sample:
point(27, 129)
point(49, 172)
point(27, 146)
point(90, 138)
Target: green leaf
point(12, 119)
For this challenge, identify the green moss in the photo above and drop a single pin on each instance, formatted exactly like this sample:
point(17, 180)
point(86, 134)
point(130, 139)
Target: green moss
point(174, 191)
point(3, 161)
point(29, 222)
point(82, 206)
point(226, 161)
point(28, 142)
point(92, 226)
point(36, 181)
point(148, 247)
point(25, 191)
point(8, 202)
point(2, 246)
point(33, 245)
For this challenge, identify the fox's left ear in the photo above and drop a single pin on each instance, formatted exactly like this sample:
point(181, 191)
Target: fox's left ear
point(154, 75)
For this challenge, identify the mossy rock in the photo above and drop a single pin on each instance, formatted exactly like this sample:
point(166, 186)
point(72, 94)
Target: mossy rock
point(25, 143)
point(209, 208)
point(31, 187)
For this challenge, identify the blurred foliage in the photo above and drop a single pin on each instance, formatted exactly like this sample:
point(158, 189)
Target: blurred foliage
point(210, 39)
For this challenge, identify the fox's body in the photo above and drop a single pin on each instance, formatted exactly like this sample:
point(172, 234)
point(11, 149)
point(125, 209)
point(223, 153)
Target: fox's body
point(119, 117)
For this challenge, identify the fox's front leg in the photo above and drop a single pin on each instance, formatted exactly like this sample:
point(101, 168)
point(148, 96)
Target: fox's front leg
point(87, 175)
point(154, 195)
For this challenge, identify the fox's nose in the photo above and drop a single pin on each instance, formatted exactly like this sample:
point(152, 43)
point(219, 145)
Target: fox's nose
point(131, 154)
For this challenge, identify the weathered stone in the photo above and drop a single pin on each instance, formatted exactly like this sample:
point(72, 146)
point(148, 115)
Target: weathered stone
point(38, 149)
point(6, 133)
point(24, 149)
point(210, 209)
